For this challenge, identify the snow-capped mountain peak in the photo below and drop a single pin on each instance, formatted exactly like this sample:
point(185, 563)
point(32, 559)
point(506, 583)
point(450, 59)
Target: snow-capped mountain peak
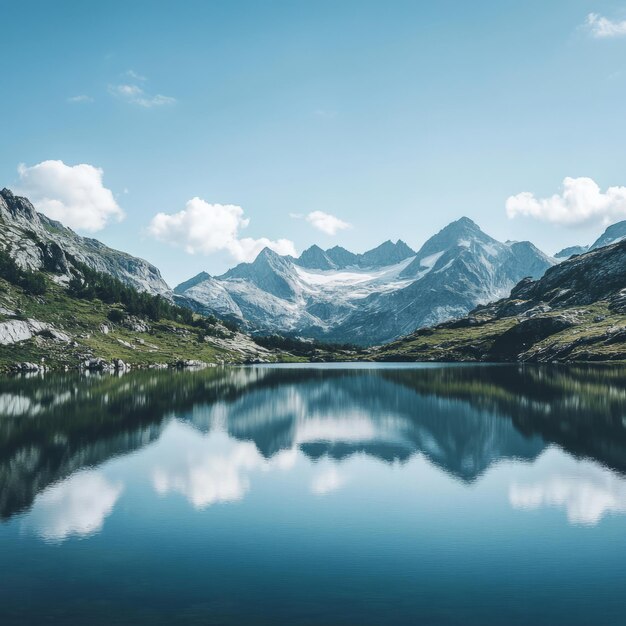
point(375, 296)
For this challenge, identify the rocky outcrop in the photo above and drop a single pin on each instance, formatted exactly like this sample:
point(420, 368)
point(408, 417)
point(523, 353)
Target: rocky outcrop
point(37, 242)
point(14, 331)
point(527, 333)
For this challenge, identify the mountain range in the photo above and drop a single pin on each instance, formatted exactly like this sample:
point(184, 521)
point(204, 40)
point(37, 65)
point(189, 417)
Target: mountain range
point(575, 312)
point(332, 295)
point(374, 297)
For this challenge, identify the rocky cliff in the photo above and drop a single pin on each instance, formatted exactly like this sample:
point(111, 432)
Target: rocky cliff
point(37, 242)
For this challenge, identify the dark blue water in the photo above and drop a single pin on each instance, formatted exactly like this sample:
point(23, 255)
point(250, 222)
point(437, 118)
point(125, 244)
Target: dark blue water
point(315, 495)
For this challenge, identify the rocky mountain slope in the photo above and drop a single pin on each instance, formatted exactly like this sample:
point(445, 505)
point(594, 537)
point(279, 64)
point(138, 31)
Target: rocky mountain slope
point(369, 298)
point(56, 329)
point(575, 312)
point(37, 242)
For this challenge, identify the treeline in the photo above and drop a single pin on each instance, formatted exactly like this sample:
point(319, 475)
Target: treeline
point(301, 347)
point(91, 285)
point(206, 323)
point(32, 283)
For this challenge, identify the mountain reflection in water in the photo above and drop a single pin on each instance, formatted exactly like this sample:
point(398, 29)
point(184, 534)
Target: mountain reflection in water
point(334, 494)
point(204, 433)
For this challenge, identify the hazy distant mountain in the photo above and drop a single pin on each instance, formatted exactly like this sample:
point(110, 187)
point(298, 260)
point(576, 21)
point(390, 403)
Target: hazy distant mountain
point(566, 253)
point(612, 234)
point(192, 282)
point(372, 297)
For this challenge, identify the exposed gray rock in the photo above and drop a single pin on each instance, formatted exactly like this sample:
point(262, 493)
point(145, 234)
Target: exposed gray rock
point(613, 234)
point(29, 367)
point(550, 319)
point(527, 333)
point(566, 253)
point(37, 242)
point(13, 331)
point(96, 365)
point(335, 295)
point(136, 324)
point(191, 363)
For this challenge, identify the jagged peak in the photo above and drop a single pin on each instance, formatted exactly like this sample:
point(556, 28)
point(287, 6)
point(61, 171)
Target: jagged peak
point(192, 282)
point(265, 257)
point(315, 258)
point(462, 224)
point(460, 229)
point(18, 206)
point(313, 248)
point(390, 245)
point(267, 253)
point(465, 221)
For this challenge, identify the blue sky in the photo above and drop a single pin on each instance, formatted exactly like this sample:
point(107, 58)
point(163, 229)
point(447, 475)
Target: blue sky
point(394, 117)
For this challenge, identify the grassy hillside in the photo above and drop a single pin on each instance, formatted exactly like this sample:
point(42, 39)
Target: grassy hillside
point(96, 316)
point(590, 333)
point(164, 341)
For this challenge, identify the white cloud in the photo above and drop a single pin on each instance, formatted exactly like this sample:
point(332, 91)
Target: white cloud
point(134, 75)
point(76, 506)
point(326, 222)
point(586, 496)
point(71, 194)
point(206, 228)
point(604, 28)
point(208, 477)
point(80, 99)
point(581, 201)
point(214, 469)
point(136, 95)
point(327, 481)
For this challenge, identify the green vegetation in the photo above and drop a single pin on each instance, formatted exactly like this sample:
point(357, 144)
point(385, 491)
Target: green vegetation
point(164, 341)
point(92, 285)
point(308, 348)
point(106, 318)
point(597, 334)
point(445, 343)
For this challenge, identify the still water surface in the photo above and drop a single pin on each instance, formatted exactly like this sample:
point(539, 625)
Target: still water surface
point(315, 495)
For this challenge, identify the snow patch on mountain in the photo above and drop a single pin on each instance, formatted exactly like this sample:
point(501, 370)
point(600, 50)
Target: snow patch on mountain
point(372, 297)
